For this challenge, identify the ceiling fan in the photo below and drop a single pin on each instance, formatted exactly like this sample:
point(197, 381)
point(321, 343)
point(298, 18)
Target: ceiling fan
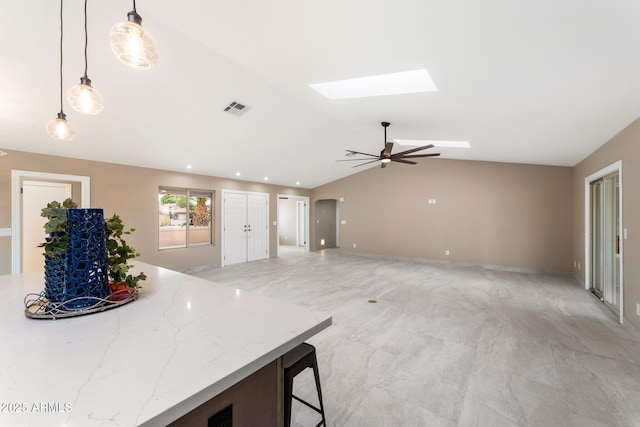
point(386, 157)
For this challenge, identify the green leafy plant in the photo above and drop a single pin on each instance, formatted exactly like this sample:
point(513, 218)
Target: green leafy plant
point(56, 226)
point(119, 252)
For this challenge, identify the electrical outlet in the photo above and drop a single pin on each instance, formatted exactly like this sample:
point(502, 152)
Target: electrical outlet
point(578, 266)
point(575, 263)
point(354, 246)
point(638, 309)
point(447, 252)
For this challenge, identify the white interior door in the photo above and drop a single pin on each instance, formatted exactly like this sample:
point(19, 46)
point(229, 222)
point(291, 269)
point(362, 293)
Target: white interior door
point(35, 196)
point(301, 215)
point(235, 228)
point(258, 229)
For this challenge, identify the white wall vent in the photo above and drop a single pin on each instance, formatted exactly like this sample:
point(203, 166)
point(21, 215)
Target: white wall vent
point(235, 108)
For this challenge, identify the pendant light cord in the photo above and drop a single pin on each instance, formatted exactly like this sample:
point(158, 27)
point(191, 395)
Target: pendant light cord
point(134, 5)
point(61, 32)
point(86, 38)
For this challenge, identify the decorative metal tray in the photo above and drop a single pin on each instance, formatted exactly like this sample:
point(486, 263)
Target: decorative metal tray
point(39, 307)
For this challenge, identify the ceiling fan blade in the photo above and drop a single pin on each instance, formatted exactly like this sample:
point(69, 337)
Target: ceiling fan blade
point(351, 160)
point(364, 154)
point(372, 161)
point(387, 149)
point(404, 161)
point(415, 156)
point(413, 150)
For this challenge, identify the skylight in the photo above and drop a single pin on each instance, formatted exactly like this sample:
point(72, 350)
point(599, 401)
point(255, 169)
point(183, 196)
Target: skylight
point(384, 84)
point(442, 144)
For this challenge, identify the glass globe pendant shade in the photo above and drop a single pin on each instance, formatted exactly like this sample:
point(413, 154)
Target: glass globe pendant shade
point(84, 98)
point(385, 160)
point(132, 44)
point(59, 128)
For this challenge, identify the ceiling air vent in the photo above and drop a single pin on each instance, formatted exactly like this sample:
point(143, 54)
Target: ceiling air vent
point(235, 108)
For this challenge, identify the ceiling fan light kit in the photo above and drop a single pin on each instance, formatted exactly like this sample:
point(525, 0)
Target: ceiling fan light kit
point(386, 156)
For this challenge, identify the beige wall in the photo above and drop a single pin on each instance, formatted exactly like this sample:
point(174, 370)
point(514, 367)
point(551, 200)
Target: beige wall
point(132, 193)
point(487, 213)
point(625, 147)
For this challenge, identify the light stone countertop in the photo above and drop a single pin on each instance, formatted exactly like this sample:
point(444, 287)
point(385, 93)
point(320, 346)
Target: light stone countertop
point(146, 363)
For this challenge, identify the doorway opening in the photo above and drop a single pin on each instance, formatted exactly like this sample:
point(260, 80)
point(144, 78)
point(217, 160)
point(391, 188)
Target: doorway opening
point(327, 219)
point(603, 237)
point(293, 225)
point(28, 191)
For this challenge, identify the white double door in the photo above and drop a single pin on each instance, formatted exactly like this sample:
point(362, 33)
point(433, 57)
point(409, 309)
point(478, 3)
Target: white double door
point(245, 227)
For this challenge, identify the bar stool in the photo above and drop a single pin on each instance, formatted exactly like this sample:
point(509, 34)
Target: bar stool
point(294, 362)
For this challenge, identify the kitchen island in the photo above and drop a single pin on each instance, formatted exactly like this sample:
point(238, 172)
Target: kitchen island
point(184, 342)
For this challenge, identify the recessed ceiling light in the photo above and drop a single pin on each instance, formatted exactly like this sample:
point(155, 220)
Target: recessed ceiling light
point(266, 178)
point(442, 144)
point(189, 166)
point(384, 84)
point(297, 182)
point(237, 173)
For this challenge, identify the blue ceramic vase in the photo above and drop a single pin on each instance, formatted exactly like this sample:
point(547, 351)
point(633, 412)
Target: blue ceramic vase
point(84, 265)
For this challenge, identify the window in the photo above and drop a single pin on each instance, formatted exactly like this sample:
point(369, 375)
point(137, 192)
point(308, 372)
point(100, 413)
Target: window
point(185, 218)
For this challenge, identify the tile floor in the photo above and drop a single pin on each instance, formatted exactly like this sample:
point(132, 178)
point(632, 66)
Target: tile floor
point(451, 345)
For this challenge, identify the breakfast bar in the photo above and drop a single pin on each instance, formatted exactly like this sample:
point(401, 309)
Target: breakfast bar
point(183, 349)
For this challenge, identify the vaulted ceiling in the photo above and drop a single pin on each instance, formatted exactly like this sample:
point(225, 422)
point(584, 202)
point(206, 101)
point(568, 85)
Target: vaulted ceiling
point(544, 82)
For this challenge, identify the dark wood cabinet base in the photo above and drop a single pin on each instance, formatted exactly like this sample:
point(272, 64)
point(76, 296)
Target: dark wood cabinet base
point(255, 401)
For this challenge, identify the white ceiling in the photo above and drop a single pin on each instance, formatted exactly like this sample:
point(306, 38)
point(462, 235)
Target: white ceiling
point(543, 82)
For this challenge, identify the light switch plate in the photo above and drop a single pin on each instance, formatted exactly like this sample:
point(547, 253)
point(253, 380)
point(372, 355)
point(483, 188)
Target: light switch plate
point(5, 232)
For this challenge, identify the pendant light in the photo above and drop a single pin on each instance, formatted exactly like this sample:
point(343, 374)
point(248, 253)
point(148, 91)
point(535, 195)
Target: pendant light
point(60, 128)
point(133, 45)
point(82, 97)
